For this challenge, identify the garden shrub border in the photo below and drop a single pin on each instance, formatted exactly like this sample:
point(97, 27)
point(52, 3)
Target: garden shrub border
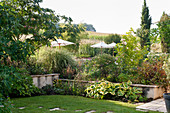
point(149, 91)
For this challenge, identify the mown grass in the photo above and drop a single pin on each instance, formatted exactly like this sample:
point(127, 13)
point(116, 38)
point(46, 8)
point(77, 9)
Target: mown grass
point(70, 104)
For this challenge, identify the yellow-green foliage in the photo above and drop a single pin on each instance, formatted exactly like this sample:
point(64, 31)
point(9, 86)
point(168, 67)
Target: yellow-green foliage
point(106, 89)
point(129, 52)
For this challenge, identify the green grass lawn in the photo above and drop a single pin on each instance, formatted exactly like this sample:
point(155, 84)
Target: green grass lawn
point(70, 104)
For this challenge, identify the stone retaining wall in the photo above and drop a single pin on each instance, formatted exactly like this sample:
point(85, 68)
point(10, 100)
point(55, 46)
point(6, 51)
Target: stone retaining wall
point(43, 80)
point(151, 91)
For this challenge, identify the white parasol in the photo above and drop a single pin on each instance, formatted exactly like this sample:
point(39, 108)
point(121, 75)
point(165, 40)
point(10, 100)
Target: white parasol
point(100, 45)
point(60, 42)
point(112, 45)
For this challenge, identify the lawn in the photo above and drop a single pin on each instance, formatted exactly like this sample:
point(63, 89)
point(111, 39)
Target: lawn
point(69, 104)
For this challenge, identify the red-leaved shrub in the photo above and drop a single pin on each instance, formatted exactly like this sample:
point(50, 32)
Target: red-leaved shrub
point(152, 73)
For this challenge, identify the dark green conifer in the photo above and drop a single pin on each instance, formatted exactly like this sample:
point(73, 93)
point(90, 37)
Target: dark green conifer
point(164, 30)
point(144, 31)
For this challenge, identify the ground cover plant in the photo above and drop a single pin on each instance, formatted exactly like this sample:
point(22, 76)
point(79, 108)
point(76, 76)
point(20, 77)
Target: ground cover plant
point(116, 91)
point(43, 104)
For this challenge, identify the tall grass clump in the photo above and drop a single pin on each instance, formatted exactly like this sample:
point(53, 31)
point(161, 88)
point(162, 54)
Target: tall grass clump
point(51, 60)
point(86, 50)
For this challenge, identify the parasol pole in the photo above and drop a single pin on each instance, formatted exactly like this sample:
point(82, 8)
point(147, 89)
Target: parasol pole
point(59, 45)
point(101, 50)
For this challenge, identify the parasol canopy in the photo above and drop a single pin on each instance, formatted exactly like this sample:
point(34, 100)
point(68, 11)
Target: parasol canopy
point(112, 45)
point(100, 45)
point(60, 42)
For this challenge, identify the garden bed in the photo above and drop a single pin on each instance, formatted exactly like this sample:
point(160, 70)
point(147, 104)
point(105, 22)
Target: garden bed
point(149, 91)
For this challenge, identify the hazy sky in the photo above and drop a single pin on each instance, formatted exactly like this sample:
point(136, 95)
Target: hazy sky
point(108, 16)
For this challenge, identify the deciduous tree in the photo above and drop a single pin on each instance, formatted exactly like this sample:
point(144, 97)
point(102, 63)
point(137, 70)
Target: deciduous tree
point(25, 26)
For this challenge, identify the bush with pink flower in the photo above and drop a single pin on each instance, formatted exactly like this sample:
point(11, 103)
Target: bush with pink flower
point(129, 53)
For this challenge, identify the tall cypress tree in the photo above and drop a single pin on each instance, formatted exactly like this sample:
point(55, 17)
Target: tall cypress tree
point(144, 31)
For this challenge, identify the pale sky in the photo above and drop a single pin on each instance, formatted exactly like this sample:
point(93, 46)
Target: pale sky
point(108, 16)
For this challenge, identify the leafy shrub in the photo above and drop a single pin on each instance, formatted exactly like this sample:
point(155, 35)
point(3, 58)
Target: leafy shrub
point(166, 65)
point(162, 57)
point(16, 82)
point(129, 53)
point(68, 73)
point(5, 104)
point(100, 66)
point(22, 85)
point(5, 88)
point(69, 88)
point(49, 60)
point(107, 90)
point(152, 73)
point(124, 77)
point(48, 90)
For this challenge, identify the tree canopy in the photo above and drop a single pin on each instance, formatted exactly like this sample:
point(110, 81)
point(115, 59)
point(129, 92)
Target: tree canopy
point(25, 26)
point(89, 27)
point(112, 38)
